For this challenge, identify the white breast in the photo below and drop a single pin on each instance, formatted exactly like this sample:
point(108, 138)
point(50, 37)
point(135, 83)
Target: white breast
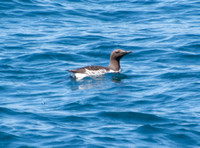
point(95, 72)
point(87, 73)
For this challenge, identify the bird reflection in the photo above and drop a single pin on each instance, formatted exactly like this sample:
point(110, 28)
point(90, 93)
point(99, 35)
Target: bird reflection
point(117, 78)
point(97, 82)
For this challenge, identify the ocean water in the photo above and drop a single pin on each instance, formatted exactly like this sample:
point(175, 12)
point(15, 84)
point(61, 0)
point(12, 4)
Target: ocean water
point(153, 102)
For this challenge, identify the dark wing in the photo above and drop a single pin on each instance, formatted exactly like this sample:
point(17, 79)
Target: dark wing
point(82, 70)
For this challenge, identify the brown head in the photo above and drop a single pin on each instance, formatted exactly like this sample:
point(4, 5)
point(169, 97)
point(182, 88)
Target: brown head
point(115, 57)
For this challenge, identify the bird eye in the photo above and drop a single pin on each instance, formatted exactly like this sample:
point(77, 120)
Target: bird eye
point(116, 51)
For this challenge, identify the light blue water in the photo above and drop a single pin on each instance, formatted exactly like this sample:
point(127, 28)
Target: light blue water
point(154, 102)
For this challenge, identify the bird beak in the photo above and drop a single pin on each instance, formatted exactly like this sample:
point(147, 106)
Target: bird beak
point(127, 52)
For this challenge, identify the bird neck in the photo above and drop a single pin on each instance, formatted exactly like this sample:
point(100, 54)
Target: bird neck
point(114, 64)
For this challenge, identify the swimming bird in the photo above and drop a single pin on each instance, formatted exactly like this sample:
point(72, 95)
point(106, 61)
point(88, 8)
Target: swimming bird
point(113, 67)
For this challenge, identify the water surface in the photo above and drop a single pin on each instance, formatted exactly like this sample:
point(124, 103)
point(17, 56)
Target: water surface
point(153, 102)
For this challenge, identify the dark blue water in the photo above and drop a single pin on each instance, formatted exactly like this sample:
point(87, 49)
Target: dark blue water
point(153, 102)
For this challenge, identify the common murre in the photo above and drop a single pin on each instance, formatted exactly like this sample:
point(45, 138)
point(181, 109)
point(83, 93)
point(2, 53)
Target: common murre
point(114, 66)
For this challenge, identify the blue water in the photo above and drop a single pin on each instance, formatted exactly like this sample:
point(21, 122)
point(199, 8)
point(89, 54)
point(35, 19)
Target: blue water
point(153, 102)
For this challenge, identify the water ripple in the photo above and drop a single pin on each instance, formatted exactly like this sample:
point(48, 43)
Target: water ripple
point(153, 102)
